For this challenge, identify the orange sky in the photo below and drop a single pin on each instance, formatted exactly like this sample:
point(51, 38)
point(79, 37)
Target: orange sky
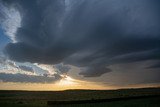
point(64, 84)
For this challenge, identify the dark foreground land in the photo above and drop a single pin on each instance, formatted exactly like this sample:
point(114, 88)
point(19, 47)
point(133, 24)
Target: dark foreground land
point(146, 97)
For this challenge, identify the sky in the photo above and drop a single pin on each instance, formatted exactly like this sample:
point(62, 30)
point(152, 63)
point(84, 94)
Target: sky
point(79, 44)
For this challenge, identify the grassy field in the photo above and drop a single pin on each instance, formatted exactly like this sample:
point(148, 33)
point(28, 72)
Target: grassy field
point(40, 98)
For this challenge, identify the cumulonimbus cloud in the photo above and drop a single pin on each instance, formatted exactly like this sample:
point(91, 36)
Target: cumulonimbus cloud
point(86, 33)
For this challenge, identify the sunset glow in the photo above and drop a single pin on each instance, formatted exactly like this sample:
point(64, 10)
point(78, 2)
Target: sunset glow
point(67, 81)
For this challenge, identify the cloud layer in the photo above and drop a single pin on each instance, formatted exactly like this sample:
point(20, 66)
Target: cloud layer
point(90, 34)
point(28, 78)
point(11, 71)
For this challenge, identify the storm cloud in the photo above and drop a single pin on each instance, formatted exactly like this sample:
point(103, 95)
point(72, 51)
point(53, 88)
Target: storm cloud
point(90, 34)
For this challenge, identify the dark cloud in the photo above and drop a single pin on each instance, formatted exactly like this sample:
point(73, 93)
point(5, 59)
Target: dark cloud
point(26, 68)
point(62, 68)
point(28, 78)
point(154, 66)
point(86, 33)
point(94, 71)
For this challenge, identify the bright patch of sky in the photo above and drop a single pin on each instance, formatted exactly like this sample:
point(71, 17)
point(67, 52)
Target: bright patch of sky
point(4, 39)
point(10, 21)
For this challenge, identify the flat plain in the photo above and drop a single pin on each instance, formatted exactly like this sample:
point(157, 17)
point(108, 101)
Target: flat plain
point(141, 97)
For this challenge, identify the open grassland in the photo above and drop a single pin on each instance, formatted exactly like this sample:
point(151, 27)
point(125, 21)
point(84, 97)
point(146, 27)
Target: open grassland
point(146, 97)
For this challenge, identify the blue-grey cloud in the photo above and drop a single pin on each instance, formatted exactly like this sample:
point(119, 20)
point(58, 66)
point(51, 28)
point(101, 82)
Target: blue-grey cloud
point(86, 33)
point(26, 68)
point(2, 60)
point(28, 78)
point(61, 68)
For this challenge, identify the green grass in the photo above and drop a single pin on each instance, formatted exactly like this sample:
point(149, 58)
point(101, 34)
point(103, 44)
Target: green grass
point(40, 98)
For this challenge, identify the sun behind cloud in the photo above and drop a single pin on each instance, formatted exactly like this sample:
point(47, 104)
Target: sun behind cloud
point(67, 80)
